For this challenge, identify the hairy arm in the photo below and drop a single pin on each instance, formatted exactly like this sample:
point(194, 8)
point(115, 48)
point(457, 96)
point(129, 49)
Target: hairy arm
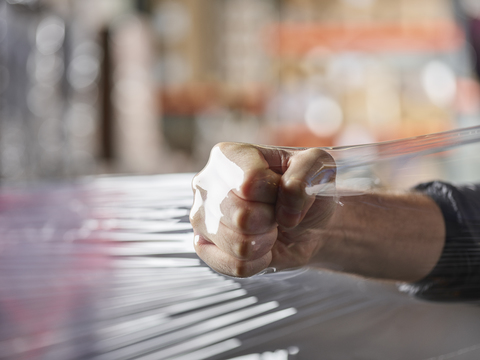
point(398, 236)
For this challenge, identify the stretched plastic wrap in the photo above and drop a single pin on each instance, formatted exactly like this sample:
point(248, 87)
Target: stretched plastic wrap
point(355, 209)
point(106, 269)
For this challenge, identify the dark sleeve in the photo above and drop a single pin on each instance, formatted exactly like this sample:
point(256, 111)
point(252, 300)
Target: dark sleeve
point(456, 277)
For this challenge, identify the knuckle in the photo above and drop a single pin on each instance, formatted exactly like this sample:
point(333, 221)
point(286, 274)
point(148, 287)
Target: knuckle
point(243, 249)
point(315, 152)
point(221, 145)
point(250, 183)
point(196, 219)
point(258, 184)
point(240, 269)
point(191, 217)
point(196, 211)
point(322, 165)
point(197, 180)
point(294, 188)
point(255, 219)
point(226, 146)
point(249, 176)
point(242, 219)
point(327, 158)
point(320, 156)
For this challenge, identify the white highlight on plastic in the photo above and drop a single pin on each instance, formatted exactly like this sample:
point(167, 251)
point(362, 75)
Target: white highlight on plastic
point(212, 350)
point(268, 355)
point(293, 350)
point(280, 354)
point(220, 335)
point(231, 176)
point(325, 189)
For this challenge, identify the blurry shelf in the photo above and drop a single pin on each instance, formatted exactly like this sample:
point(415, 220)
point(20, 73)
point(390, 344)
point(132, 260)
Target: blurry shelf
point(299, 39)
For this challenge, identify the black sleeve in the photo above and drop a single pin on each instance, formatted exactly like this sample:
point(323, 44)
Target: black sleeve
point(456, 277)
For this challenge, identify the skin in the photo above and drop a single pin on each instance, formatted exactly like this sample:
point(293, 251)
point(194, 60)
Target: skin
point(270, 220)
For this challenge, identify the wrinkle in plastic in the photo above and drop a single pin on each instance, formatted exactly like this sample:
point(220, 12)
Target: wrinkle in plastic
point(113, 276)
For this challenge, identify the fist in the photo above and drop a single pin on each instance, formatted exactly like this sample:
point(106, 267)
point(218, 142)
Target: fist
point(257, 207)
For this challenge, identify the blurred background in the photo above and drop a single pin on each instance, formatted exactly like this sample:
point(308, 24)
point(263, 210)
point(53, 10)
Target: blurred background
point(149, 86)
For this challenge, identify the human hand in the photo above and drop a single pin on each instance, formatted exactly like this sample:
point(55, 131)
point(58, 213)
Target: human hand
point(257, 207)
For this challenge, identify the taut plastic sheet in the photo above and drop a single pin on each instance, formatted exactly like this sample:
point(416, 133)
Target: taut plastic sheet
point(106, 269)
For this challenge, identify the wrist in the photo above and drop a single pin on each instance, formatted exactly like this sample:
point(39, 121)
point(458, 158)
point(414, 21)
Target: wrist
point(332, 243)
point(388, 236)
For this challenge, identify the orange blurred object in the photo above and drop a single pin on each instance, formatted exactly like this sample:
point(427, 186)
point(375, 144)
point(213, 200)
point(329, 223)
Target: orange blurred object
point(297, 135)
point(467, 101)
point(193, 99)
point(298, 39)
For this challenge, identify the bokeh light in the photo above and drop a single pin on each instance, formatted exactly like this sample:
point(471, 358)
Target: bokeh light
point(439, 82)
point(152, 85)
point(323, 116)
point(50, 35)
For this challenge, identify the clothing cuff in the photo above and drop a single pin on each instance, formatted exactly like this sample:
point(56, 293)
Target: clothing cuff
point(456, 276)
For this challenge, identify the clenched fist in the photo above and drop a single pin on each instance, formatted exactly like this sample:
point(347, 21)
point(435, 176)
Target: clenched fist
point(257, 207)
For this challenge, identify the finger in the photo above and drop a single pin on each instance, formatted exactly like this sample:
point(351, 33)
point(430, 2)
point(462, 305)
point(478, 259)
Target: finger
point(242, 246)
point(232, 167)
point(247, 217)
point(254, 180)
point(226, 264)
point(307, 170)
point(239, 245)
point(236, 173)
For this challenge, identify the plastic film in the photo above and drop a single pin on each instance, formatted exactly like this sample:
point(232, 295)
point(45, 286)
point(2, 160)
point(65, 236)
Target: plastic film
point(403, 210)
point(107, 270)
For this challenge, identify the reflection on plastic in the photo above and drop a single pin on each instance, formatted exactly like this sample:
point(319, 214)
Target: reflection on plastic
point(282, 354)
point(153, 300)
point(361, 155)
point(231, 175)
point(347, 158)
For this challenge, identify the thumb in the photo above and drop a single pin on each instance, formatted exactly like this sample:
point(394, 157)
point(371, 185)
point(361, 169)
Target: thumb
point(309, 173)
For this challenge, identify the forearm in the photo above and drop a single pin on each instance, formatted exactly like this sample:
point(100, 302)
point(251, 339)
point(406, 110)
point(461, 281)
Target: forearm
point(390, 236)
